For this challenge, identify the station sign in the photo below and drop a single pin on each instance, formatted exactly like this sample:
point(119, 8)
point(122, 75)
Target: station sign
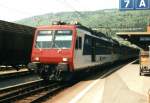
point(144, 38)
point(134, 4)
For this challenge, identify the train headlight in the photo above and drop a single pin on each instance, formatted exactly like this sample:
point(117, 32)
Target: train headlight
point(36, 58)
point(65, 59)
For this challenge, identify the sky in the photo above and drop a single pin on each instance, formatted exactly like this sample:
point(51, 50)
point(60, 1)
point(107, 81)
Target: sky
point(12, 10)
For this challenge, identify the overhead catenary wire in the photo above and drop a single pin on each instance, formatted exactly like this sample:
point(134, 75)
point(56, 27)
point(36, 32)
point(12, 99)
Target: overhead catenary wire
point(76, 12)
point(65, 3)
point(36, 20)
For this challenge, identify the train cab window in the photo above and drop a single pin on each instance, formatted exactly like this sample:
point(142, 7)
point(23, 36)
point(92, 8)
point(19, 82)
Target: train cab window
point(54, 39)
point(44, 39)
point(79, 43)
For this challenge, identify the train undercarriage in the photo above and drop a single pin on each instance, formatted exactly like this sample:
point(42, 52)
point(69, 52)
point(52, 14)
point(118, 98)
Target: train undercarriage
point(55, 72)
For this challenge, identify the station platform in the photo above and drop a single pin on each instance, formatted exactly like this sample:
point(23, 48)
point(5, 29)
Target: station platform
point(13, 71)
point(122, 86)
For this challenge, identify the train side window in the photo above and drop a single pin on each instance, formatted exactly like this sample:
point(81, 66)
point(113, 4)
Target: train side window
point(78, 43)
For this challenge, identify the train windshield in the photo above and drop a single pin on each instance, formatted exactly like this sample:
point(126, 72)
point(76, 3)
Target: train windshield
point(54, 39)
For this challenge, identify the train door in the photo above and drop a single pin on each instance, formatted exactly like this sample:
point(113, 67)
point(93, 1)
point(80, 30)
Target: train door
point(93, 55)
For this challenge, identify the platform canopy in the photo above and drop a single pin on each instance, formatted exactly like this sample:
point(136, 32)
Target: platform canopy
point(141, 39)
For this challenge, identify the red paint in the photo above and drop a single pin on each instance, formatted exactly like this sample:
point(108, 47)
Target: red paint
point(52, 55)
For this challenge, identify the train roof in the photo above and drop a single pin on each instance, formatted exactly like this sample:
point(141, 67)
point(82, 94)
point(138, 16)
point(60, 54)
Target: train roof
point(56, 27)
point(17, 28)
point(98, 34)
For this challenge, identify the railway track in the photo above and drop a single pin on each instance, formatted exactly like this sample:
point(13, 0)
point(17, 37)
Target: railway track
point(36, 91)
point(31, 92)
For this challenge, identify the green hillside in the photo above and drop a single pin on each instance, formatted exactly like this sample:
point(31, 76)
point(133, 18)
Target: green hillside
point(111, 18)
point(107, 21)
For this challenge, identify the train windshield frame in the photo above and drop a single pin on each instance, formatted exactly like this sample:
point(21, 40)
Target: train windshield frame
point(54, 39)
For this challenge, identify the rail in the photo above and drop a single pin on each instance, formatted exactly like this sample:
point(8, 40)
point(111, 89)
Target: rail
point(37, 91)
point(8, 92)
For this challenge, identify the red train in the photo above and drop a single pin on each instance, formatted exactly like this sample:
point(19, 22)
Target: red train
point(62, 49)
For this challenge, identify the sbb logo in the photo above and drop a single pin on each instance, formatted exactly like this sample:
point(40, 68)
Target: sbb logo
point(134, 4)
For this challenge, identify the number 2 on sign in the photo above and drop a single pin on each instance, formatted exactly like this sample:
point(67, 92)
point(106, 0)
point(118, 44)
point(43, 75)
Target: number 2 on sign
point(127, 2)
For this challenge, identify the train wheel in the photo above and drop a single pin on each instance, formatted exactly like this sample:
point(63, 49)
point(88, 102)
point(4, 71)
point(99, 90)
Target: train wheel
point(44, 76)
point(44, 72)
point(64, 76)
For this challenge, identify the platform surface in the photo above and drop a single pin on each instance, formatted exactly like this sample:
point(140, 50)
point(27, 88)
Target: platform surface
point(12, 71)
point(122, 86)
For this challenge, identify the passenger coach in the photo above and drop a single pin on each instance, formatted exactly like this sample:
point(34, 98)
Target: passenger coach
point(62, 49)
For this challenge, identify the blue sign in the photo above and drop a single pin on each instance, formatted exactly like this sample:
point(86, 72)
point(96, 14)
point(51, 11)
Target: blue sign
point(127, 4)
point(142, 4)
point(134, 4)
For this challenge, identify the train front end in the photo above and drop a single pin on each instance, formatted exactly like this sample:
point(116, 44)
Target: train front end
point(52, 52)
